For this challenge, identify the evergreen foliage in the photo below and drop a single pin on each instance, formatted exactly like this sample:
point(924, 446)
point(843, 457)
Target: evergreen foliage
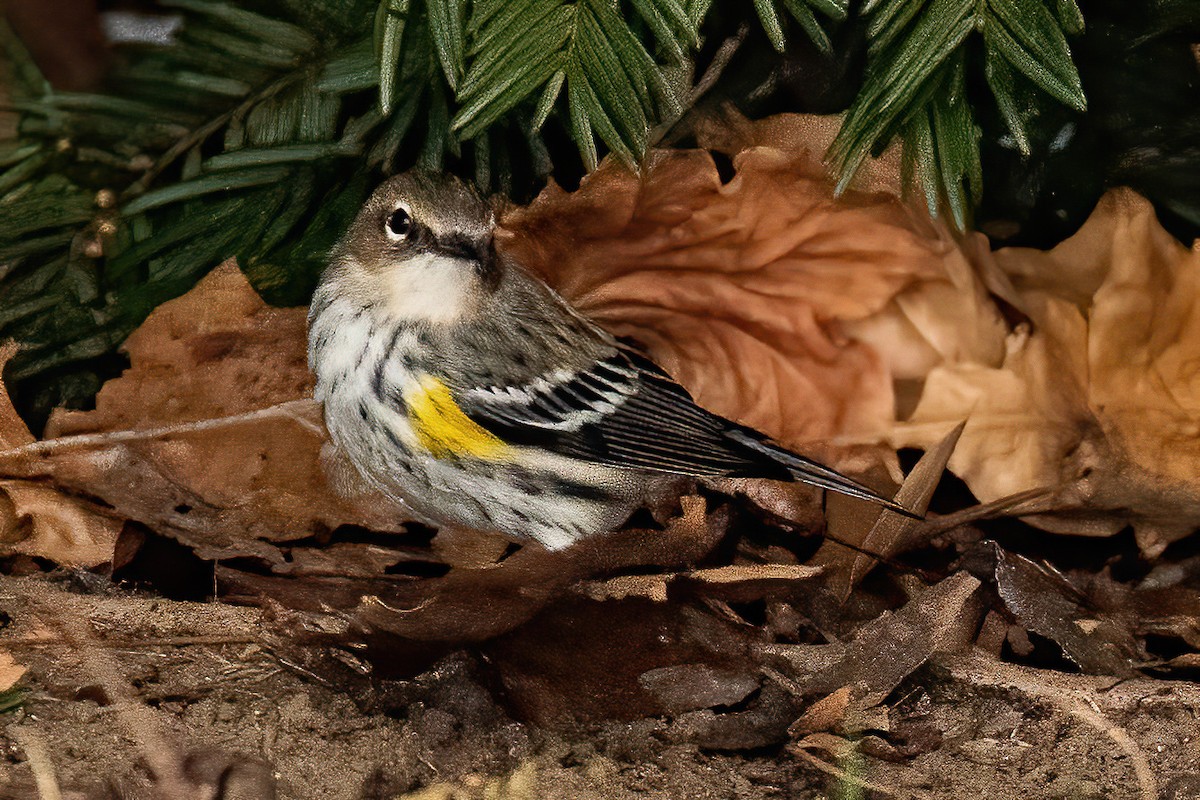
point(260, 129)
point(916, 86)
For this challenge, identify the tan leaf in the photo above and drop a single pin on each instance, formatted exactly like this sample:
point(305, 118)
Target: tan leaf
point(652, 587)
point(889, 533)
point(13, 431)
point(10, 671)
point(827, 714)
point(888, 648)
point(752, 573)
point(41, 521)
point(1098, 399)
point(38, 520)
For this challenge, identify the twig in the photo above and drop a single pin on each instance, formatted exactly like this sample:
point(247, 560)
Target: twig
point(671, 130)
point(17, 642)
point(289, 410)
point(1031, 501)
point(1083, 708)
point(862, 783)
point(198, 136)
point(39, 763)
point(719, 62)
point(135, 717)
point(978, 671)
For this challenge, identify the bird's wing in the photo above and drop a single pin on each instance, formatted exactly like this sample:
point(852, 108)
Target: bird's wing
point(623, 411)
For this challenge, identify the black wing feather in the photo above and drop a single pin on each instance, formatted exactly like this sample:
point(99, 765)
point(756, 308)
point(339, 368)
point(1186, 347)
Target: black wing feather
point(623, 411)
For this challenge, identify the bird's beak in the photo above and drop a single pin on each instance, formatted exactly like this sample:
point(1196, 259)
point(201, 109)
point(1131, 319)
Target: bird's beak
point(466, 249)
point(480, 253)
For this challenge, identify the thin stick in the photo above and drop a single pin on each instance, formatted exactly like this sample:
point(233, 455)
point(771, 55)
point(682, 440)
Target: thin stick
point(39, 763)
point(862, 783)
point(289, 410)
point(1031, 501)
point(18, 642)
point(1086, 710)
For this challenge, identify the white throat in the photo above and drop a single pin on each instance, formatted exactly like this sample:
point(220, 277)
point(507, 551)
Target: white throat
point(427, 288)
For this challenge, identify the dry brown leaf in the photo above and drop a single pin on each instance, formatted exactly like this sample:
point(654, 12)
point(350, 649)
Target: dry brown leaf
point(207, 436)
point(759, 294)
point(584, 660)
point(477, 604)
point(1043, 601)
point(13, 431)
point(890, 533)
point(39, 520)
point(216, 351)
point(1099, 398)
point(10, 671)
point(887, 649)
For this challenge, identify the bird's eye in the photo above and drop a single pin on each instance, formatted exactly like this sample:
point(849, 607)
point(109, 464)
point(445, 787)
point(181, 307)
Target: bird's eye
point(399, 225)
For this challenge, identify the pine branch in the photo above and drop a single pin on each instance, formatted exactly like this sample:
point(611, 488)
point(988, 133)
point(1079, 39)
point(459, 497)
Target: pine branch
point(916, 86)
point(802, 12)
point(258, 134)
point(218, 145)
point(250, 135)
point(614, 87)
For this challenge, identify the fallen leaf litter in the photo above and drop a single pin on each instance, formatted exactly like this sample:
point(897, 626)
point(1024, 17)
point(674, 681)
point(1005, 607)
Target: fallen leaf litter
point(843, 327)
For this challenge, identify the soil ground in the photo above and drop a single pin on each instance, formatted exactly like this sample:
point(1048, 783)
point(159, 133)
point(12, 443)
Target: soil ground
point(203, 694)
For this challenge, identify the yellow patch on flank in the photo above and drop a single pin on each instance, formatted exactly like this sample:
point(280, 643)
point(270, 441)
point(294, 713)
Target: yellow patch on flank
point(441, 426)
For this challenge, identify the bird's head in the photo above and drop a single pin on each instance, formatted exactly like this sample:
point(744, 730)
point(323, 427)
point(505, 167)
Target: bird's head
point(421, 247)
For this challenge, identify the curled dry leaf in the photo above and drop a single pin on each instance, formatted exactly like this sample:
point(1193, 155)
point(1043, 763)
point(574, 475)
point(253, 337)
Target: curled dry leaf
point(1097, 398)
point(747, 291)
point(476, 604)
point(1046, 603)
point(39, 520)
point(13, 431)
point(810, 318)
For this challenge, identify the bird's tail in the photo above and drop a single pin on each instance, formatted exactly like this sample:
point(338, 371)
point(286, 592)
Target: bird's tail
point(808, 471)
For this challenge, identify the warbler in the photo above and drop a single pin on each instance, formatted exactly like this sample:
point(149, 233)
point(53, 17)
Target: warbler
point(458, 382)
